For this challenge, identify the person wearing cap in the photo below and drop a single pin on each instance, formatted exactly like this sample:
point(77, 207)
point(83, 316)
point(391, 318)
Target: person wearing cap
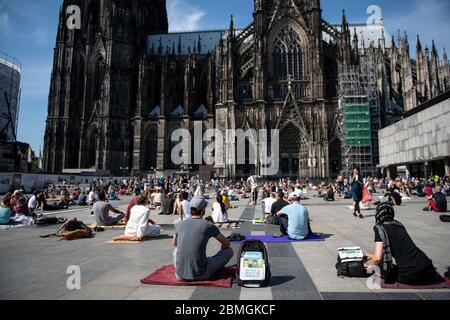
point(191, 239)
point(392, 241)
point(294, 219)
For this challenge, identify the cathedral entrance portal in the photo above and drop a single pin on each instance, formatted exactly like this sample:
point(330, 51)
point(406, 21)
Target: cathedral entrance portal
point(289, 150)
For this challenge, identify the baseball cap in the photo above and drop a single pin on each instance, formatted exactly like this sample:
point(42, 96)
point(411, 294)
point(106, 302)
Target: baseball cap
point(294, 196)
point(198, 203)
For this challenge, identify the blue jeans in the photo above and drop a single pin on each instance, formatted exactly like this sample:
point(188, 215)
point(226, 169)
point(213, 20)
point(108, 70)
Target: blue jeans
point(214, 264)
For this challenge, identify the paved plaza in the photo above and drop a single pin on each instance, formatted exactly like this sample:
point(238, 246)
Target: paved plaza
point(35, 268)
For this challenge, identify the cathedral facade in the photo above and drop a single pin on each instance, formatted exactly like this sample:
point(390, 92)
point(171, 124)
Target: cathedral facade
point(122, 84)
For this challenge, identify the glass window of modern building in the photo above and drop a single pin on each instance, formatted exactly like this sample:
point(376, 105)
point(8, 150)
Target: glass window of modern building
point(10, 73)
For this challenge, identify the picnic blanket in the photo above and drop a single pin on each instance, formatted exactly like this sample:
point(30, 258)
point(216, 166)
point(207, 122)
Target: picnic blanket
point(228, 225)
point(445, 284)
point(271, 239)
point(166, 276)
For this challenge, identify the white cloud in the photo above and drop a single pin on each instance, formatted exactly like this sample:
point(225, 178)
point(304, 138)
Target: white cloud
point(183, 16)
point(429, 19)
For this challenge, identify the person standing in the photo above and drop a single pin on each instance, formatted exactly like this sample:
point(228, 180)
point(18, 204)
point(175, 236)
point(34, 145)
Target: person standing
point(356, 184)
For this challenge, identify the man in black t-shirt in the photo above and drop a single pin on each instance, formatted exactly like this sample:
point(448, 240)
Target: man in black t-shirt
point(279, 204)
point(412, 264)
point(437, 202)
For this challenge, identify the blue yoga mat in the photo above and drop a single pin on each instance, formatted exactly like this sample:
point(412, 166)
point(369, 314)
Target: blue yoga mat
point(272, 239)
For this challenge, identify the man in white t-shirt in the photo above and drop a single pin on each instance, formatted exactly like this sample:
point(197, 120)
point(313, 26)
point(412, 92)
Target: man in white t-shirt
point(268, 202)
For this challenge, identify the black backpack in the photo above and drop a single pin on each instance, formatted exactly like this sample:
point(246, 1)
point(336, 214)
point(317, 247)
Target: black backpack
point(445, 218)
point(253, 246)
point(351, 269)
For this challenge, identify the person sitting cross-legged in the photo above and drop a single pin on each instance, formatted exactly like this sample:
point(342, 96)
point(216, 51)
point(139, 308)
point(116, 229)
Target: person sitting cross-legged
point(294, 220)
point(392, 242)
point(139, 225)
point(437, 202)
point(101, 212)
point(191, 239)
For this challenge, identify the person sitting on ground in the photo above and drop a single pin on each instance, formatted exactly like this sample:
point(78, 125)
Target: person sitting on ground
point(45, 206)
point(278, 205)
point(437, 202)
point(191, 239)
point(101, 212)
point(157, 197)
point(92, 197)
point(168, 204)
point(63, 203)
point(428, 190)
point(33, 203)
point(112, 195)
point(122, 190)
point(139, 226)
point(267, 204)
point(132, 203)
point(185, 207)
point(331, 190)
point(5, 212)
point(82, 199)
point(294, 220)
point(226, 200)
point(392, 241)
point(219, 214)
point(394, 197)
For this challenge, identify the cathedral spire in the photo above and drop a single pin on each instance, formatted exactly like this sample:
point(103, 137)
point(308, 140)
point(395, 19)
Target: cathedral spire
point(232, 23)
point(419, 45)
point(433, 49)
point(344, 22)
point(383, 41)
point(199, 45)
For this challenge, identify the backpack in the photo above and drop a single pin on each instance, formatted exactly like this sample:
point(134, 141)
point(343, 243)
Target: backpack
point(48, 221)
point(445, 218)
point(350, 263)
point(253, 265)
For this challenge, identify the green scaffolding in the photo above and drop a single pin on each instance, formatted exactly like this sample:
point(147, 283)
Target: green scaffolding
point(357, 125)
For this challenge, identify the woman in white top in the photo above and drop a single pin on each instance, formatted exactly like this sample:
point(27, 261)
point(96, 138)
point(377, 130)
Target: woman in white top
point(139, 225)
point(219, 210)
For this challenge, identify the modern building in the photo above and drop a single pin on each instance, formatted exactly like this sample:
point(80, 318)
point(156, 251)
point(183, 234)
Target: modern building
point(10, 73)
point(420, 141)
point(122, 84)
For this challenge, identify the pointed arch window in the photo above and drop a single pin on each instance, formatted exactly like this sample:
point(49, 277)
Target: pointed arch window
point(288, 54)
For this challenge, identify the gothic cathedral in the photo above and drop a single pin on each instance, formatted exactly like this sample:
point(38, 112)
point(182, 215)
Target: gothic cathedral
point(122, 84)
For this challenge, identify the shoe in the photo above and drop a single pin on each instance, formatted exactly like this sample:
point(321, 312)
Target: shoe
point(278, 235)
point(426, 209)
point(361, 216)
point(354, 214)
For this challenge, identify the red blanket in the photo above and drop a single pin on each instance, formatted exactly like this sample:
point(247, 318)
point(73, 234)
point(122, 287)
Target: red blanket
point(166, 276)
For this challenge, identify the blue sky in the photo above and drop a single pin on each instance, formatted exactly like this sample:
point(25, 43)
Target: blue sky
point(28, 31)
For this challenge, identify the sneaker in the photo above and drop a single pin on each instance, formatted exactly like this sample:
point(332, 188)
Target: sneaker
point(361, 216)
point(354, 214)
point(278, 235)
point(426, 209)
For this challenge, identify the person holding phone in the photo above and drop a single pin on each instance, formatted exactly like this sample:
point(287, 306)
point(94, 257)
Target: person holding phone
point(356, 184)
